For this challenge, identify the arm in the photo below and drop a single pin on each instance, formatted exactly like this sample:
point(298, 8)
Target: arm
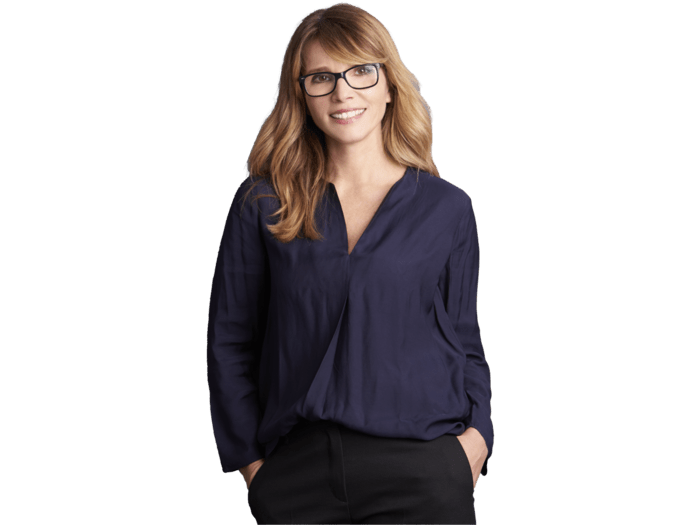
point(460, 304)
point(237, 315)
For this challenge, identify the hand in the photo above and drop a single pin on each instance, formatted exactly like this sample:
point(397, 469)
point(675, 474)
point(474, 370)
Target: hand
point(249, 471)
point(476, 450)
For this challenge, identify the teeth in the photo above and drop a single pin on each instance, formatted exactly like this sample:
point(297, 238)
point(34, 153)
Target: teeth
point(347, 115)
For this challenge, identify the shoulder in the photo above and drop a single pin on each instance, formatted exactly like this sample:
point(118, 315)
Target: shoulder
point(439, 191)
point(256, 185)
point(255, 199)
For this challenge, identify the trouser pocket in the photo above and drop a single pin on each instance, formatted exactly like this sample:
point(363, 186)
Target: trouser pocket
point(254, 481)
point(461, 457)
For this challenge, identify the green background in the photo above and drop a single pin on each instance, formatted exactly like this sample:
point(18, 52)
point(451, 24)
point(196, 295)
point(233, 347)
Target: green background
point(125, 127)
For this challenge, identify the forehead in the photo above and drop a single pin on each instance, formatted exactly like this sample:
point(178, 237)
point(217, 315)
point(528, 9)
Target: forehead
point(316, 59)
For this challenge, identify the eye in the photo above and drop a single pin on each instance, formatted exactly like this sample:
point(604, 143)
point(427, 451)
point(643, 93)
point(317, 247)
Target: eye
point(320, 78)
point(364, 70)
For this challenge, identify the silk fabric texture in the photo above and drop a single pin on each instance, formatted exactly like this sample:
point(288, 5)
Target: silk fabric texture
point(384, 340)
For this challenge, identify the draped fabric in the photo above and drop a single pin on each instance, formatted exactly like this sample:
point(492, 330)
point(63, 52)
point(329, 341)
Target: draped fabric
point(384, 340)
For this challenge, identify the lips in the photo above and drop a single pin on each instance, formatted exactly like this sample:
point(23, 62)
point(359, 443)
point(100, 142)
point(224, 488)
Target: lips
point(345, 114)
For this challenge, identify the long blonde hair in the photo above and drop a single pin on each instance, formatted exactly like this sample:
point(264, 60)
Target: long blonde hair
point(290, 150)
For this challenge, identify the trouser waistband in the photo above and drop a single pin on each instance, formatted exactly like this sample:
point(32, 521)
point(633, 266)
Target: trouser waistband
point(304, 426)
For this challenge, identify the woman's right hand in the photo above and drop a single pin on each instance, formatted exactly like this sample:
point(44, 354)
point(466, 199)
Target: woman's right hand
point(249, 471)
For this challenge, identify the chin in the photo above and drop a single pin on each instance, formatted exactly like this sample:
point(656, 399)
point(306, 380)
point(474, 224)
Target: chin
point(345, 134)
point(350, 138)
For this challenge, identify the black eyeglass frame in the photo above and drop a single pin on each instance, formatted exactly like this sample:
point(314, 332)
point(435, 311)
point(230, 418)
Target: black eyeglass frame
point(336, 77)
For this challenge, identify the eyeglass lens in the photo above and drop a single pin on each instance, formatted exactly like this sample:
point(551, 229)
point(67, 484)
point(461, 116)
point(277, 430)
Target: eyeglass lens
point(358, 77)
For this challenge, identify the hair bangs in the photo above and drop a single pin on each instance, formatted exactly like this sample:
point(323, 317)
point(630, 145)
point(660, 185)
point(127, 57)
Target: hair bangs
point(350, 46)
point(290, 150)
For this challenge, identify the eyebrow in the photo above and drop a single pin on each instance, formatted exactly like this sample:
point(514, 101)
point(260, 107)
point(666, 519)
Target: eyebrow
point(318, 69)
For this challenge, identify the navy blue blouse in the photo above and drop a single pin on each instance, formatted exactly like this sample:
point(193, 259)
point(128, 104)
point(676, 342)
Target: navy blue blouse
point(384, 340)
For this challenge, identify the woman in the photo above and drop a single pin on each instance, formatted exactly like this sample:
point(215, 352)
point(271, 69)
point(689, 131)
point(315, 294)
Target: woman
point(347, 377)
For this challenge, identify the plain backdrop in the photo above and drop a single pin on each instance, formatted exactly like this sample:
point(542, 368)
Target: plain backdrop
point(124, 132)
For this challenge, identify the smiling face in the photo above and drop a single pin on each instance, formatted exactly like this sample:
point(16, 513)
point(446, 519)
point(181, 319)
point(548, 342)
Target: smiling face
point(366, 126)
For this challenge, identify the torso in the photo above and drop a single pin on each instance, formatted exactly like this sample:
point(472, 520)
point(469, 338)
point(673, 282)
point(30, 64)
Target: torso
point(359, 207)
point(358, 214)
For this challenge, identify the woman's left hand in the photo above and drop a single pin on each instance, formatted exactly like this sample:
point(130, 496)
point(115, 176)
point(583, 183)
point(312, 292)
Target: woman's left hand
point(476, 450)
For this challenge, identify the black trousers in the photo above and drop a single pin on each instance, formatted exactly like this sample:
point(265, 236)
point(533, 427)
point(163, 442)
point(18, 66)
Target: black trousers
point(324, 472)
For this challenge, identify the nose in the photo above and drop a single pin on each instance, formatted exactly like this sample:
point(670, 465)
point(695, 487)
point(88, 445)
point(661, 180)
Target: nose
point(342, 90)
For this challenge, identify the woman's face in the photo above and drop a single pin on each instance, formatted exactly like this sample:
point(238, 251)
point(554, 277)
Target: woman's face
point(373, 100)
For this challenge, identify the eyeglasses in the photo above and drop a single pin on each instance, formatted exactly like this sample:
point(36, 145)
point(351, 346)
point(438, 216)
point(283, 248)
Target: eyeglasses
point(323, 83)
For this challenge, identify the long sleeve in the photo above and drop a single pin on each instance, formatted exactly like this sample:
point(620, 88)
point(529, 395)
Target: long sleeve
point(237, 317)
point(460, 304)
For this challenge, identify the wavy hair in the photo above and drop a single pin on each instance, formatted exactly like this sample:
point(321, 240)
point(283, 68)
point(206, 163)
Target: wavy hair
point(290, 150)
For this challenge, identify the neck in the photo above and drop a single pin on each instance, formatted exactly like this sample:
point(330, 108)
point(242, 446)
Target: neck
point(361, 164)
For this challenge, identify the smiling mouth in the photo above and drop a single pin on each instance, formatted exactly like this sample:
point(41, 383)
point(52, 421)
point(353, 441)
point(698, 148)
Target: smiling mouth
point(348, 114)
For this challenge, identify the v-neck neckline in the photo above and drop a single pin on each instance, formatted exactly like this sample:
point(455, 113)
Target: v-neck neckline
point(376, 212)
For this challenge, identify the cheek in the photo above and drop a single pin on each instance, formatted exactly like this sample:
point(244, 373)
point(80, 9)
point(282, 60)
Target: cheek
point(316, 112)
point(375, 95)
